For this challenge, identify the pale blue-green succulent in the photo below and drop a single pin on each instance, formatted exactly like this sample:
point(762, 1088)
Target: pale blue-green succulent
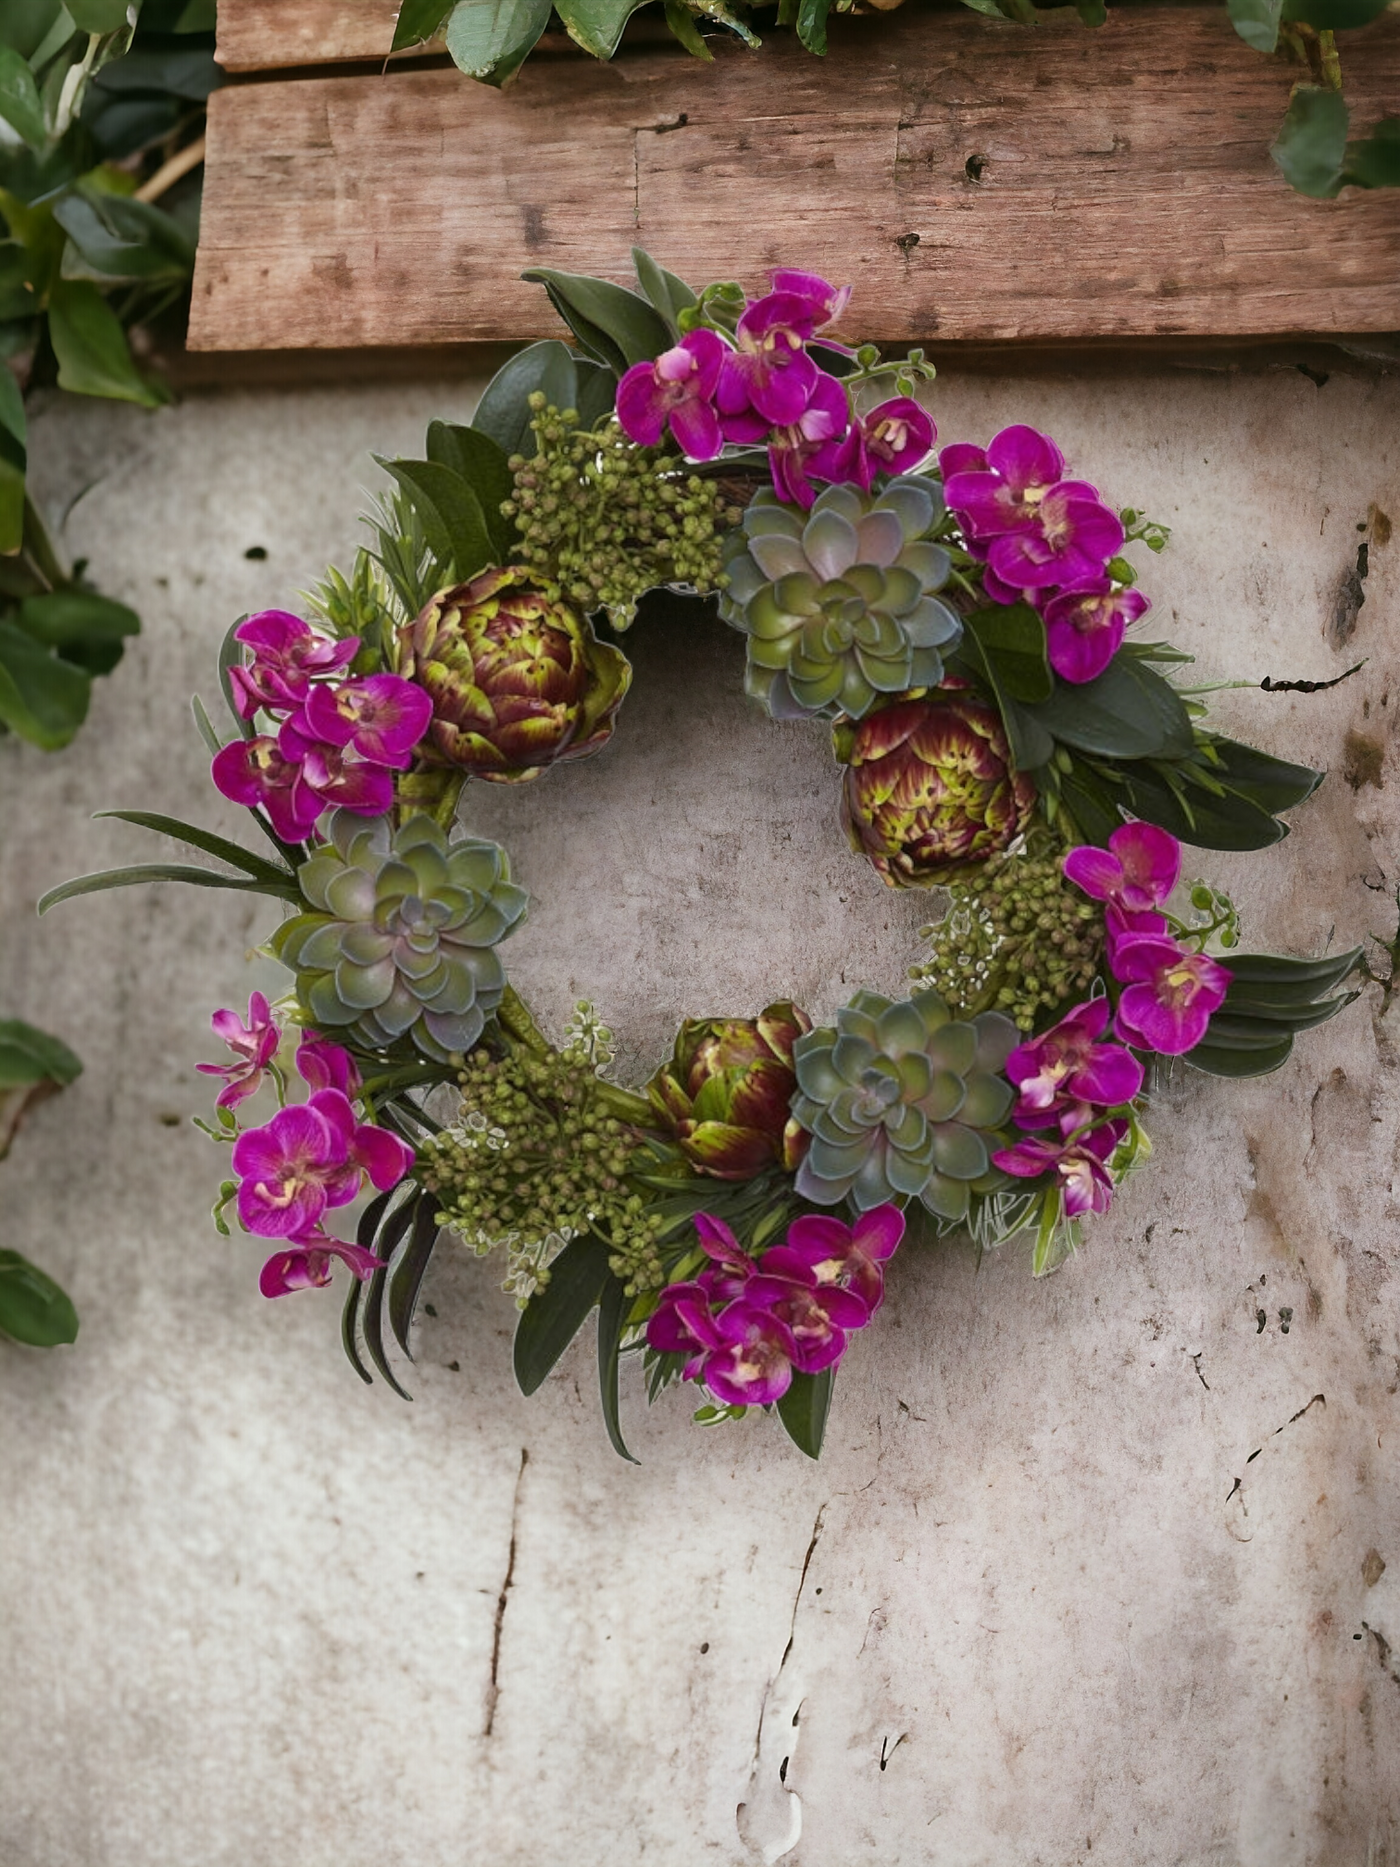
point(902, 1101)
point(401, 937)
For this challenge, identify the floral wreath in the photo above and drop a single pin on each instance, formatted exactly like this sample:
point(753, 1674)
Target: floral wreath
point(961, 627)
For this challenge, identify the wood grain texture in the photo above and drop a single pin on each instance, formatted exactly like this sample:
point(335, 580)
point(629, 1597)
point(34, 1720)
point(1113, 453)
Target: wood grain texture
point(977, 182)
point(266, 35)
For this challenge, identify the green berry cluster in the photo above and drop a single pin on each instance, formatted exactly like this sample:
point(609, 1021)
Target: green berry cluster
point(1018, 938)
point(607, 520)
point(533, 1159)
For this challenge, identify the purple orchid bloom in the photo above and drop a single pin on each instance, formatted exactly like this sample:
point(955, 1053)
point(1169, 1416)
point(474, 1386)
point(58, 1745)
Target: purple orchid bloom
point(794, 451)
point(253, 1044)
point(1068, 1064)
point(1137, 872)
point(731, 1267)
point(1005, 494)
point(256, 772)
point(1073, 536)
point(682, 1324)
point(961, 457)
point(1169, 993)
point(324, 1065)
point(824, 302)
point(305, 1264)
point(1084, 626)
point(1119, 923)
point(751, 1364)
point(309, 1158)
point(819, 1316)
point(288, 654)
point(336, 777)
point(894, 438)
point(1081, 1165)
point(852, 1257)
point(770, 374)
point(382, 718)
point(676, 390)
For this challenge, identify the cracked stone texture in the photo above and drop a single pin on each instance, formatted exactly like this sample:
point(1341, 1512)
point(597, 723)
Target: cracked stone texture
point(1105, 1567)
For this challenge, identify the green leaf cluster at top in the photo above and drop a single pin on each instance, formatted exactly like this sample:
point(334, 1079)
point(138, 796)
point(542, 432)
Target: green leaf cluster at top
point(491, 39)
point(33, 1065)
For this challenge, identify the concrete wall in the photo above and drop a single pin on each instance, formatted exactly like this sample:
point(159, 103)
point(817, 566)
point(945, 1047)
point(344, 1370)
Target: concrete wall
point(1092, 1569)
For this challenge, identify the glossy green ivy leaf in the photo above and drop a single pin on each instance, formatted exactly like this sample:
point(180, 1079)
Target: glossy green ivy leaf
point(597, 25)
point(20, 104)
point(1374, 160)
point(43, 699)
point(419, 20)
point(1310, 148)
point(120, 238)
point(489, 38)
point(553, 1316)
point(29, 1055)
point(33, 1309)
point(87, 629)
point(503, 412)
point(97, 16)
point(681, 21)
point(811, 24)
point(94, 357)
point(614, 325)
point(803, 1410)
point(1257, 22)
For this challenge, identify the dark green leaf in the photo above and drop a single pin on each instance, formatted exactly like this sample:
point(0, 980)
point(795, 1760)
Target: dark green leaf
point(32, 1307)
point(1091, 804)
point(1374, 161)
point(43, 699)
point(503, 412)
point(453, 521)
point(596, 25)
point(390, 1237)
point(597, 392)
point(90, 344)
point(683, 27)
point(1256, 21)
point(349, 1335)
point(19, 98)
point(803, 1410)
point(1012, 639)
point(1031, 745)
point(233, 853)
point(1311, 144)
point(488, 38)
point(1229, 822)
point(614, 325)
point(477, 459)
point(553, 1316)
point(1128, 712)
point(87, 629)
point(1219, 1060)
point(811, 24)
point(406, 1278)
point(612, 1314)
point(667, 294)
point(419, 20)
point(97, 16)
point(1233, 1027)
point(144, 872)
point(1292, 981)
point(123, 238)
point(1091, 12)
point(1334, 15)
point(1271, 783)
point(29, 1055)
point(13, 462)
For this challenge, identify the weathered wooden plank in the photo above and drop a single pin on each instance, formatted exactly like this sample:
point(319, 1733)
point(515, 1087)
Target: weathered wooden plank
point(263, 35)
point(977, 182)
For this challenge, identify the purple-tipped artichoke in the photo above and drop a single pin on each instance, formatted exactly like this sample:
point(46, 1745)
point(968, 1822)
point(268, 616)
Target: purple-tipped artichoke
point(517, 678)
point(725, 1092)
point(929, 791)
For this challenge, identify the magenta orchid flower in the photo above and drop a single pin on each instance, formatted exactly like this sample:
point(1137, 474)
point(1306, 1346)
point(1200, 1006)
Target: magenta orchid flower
point(752, 1362)
point(324, 1065)
point(851, 1256)
point(894, 438)
point(338, 778)
point(305, 1264)
point(256, 772)
point(1068, 1064)
point(253, 1044)
point(1005, 494)
point(1079, 1163)
point(794, 451)
point(961, 457)
point(819, 1316)
point(682, 1324)
point(824, 302)
point(308, 1158)
point(676, 391)
point(1073, 537)
point(1084, 626)
point(1137, 872)
point(770, 374)
point(382, 718)
point(1169, 993)
point(288, 655)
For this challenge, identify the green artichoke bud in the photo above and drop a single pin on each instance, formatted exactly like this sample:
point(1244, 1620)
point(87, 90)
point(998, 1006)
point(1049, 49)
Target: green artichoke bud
point(725, 1093)
point(517, 678)
point(400, 941)
point(902, 1101)
point(929, 791)
point(837, 603)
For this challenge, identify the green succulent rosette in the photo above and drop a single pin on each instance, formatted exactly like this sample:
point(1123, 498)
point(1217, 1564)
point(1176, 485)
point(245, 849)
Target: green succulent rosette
point(401, 935)
point(902, 1101)
point(838, 603)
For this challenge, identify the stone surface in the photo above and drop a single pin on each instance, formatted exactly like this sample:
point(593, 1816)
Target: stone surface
point(1104, 1568)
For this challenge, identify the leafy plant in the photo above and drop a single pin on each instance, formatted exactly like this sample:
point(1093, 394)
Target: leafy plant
point(32, 1065)
point(490, 40)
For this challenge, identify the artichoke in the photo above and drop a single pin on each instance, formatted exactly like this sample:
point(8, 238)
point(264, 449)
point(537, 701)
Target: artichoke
point(724, 1094)
point(837, 603)
point(517, 678)
point(929, 790)
point(902, 1101)
point(401, 935)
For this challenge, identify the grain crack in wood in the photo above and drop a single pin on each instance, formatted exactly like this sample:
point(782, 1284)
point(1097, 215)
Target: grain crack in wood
point(493, 1691)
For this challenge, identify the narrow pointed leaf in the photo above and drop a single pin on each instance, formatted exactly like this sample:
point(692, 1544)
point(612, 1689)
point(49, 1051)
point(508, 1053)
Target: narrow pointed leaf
point(232, 853)
point(803, 1410)
point(553, 1316)
point(406, 1278)
point(612, 1315)
point(33, 1309)
point(141, 873)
